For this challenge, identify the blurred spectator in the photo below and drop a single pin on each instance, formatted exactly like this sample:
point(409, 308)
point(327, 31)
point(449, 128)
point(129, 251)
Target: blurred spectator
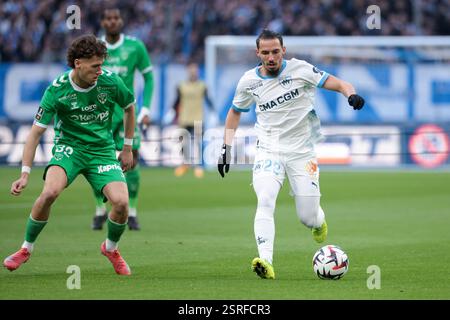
point(175, 30)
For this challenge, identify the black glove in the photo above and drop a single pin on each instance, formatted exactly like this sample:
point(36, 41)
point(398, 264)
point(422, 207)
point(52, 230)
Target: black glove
point(224, 160)
point(357, 102)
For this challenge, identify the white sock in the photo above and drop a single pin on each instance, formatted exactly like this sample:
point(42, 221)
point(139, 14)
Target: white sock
point(266, 189)
point(28, 245)
point(111, 245)
point(132, 212)
point(309, 211)
point(264, 227)
point(100, 211)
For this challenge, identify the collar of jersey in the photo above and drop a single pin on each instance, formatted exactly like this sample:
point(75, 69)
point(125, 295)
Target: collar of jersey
point(115, 45)
point(77, 87)
point(283, 65)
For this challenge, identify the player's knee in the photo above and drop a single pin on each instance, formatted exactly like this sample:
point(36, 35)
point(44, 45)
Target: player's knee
point(49, 195)
point(266, 199)
point(120, 205)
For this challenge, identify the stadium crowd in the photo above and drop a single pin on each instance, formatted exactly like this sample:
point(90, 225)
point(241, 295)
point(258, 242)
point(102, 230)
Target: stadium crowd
point(174, 30)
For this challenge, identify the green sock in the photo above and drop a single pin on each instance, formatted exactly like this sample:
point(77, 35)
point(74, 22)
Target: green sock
point(133, 179)
point(132, 202)
point(115, 230)
point(99, 202)
point(33, 228)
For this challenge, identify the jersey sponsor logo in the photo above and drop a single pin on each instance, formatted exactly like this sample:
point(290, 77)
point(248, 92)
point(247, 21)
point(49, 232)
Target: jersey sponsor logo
point(108, 167)
point(285, 81)
point(89, 108)
point(255, 85)
point(281, 99)
point(90, 118)
point(102, 97)
point(71, 97)
point(108, 89)
point(39, 113)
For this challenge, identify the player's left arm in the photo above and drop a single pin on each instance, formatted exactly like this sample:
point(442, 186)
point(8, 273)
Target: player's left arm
point(335, 84)
point(126, 100)
point(126, 156)
point(146, 68)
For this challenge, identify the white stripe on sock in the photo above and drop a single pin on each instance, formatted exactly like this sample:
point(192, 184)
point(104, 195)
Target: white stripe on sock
point(111, 245)
point(28, 245)
point(132, 212)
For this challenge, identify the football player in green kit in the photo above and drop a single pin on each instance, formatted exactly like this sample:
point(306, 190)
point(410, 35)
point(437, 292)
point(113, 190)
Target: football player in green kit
point(125, 55)
point(81, 103)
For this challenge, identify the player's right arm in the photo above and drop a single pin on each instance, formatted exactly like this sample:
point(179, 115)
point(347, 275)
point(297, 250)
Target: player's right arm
point(29, 151)
point(241, 103)
point(42, 119)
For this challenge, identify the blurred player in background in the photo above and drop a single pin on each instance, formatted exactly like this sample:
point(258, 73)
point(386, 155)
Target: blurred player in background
point(125, 56)
point(287, 128)
point(188, 107)
point(81, 101)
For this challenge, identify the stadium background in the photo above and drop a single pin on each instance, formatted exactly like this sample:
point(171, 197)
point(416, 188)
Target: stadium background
point(406, 91)
point(377, 215)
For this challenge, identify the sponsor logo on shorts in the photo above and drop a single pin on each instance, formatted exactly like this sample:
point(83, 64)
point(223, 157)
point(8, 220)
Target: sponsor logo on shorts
point(108, 168)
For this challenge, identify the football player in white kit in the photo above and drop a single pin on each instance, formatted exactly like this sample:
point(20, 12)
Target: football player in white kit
point(287, 128)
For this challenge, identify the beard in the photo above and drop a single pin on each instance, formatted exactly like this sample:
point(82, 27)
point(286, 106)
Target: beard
point(271, 70)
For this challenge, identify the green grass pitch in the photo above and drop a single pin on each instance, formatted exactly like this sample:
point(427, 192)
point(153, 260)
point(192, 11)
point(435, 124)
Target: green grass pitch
point(197, 239)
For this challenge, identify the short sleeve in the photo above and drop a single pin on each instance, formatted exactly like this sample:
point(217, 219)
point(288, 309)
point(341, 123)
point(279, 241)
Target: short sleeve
point(144, 62)
point(312, 74)
point(242, 98)
point(46, 110)
point(124, 96)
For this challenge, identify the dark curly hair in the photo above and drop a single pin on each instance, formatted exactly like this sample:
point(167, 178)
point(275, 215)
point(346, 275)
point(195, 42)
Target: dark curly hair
point(85, 46)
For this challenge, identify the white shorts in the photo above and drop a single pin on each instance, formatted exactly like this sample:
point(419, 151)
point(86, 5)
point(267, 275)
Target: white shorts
point(302, 171)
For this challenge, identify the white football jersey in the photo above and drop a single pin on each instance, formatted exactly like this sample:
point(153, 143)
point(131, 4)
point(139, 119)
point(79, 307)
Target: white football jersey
point(286, 120)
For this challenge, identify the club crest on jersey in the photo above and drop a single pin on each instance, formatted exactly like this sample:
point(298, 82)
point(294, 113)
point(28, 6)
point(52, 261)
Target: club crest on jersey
point(285, 81)
point(102, 97)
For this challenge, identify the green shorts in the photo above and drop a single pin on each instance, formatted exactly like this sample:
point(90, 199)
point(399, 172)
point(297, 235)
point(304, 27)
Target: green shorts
point(119, 133)
point(99, 170)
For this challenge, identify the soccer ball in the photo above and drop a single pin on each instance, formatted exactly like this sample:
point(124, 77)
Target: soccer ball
point(330, 262)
